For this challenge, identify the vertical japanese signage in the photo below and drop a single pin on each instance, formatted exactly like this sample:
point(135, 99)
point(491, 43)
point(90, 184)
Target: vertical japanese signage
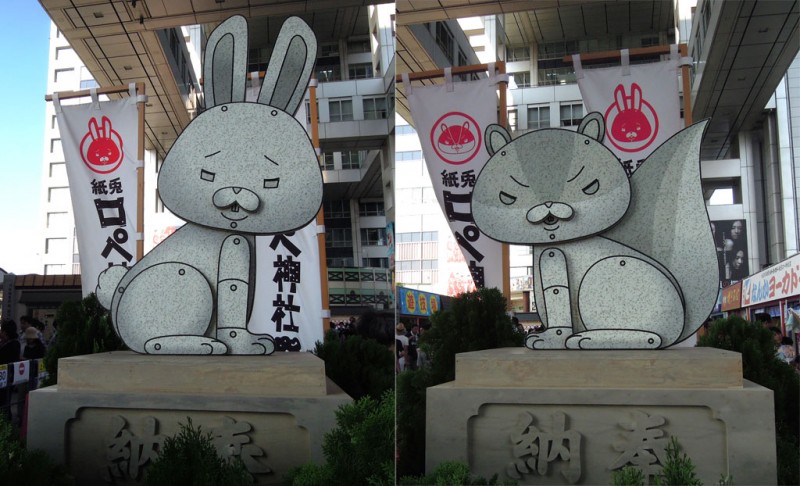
point(100, 143)
point(451, 120)
point(639, 103)
point(288, 295)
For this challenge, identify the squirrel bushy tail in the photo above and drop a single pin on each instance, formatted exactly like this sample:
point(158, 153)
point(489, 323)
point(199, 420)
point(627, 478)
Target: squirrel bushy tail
point(668, 221)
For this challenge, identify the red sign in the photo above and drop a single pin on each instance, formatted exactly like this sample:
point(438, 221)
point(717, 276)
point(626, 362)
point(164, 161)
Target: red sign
point(633, 121)
point(101, 147)
point(456, 138)
point(732, 297)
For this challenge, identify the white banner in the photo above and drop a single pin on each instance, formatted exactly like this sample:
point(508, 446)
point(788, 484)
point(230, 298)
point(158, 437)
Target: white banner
point(451, 120)
point(288, 294)
point(639, 103)
point(288, 303)
point(22, 371)
point(100, 142)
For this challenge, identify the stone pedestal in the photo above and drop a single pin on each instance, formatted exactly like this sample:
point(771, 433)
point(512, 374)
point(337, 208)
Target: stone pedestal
point(572, 417)
point(109, 411)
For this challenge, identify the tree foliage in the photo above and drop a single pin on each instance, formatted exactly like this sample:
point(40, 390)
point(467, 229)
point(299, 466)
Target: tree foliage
point(83, 328)
point(760, 365)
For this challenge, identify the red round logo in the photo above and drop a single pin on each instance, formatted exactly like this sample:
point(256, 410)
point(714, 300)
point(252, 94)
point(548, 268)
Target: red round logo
point(101, 147)
point(456, 138)
point(632, 120)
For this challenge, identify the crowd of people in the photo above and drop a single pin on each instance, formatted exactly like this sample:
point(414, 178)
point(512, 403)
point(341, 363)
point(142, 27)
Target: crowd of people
point(409, 356)
point(20, 343)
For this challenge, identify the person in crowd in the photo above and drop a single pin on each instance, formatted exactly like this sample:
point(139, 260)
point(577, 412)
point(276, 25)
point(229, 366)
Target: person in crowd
point(401, 346)
point(422, 356)
point(9, 353)
point(34, 348)
point(412, 353)
point(53, 337)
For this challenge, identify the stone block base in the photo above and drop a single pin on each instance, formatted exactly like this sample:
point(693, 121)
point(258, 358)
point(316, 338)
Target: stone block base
point(109, 413)
point(592, 412)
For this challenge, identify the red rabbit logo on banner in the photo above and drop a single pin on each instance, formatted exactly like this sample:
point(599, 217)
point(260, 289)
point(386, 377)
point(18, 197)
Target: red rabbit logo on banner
point(633, 121)
point(101, 147)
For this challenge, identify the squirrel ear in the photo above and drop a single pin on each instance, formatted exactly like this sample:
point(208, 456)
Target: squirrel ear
point(593, 126)
point(289, 66)
point(225, 63)
point(496, 137)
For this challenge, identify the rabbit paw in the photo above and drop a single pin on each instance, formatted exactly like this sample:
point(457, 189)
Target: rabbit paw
point(184, 345)
point(614, 339)
point(550, 338)
point(240, 341)
point(107, 283)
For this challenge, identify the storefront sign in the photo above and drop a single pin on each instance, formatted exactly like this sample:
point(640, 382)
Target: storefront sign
point(779, 281)
point(732, 297)
point(416, 303)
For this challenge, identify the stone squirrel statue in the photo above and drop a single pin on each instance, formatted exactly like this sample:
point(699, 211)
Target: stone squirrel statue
point(619, 263)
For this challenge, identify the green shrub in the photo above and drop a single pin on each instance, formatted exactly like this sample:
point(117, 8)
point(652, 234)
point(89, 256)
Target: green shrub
point(451, 473)
point(628, 476)
point(19, 466)
point(678, 469)
point(83, 328)
point(359, 451)
point(475, 321)
point(360, 366)
point(190, 458)
point(761, 366)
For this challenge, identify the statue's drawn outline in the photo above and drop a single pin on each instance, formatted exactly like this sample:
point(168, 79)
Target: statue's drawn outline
point(618, 263)
point(238, 170)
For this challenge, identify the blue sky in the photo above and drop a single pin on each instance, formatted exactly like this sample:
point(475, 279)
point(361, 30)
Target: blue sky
point(24, 41)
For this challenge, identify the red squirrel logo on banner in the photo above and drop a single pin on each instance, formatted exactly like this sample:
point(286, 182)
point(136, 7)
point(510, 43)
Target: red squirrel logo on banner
point(633, 121)
point(101, 147)
point(455, 138)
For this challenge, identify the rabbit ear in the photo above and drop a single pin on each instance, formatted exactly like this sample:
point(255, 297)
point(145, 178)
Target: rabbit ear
point(225, 62)
point(106, 127)
point(619, 97)
point(289, 66)
point(94, 129)
point(636, 92)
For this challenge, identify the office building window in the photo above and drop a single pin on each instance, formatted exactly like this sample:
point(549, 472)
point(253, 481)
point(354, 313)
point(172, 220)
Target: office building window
point(404, 130)
point(571, 114)
point(521, 53)
point(538, 117)
point(373, 236)
point(352, 159)
point(338, 237)
point(371, 208)
point(375, 262)
point(336, 209)
point(417, 236)
point(360, 70)
point(409, 155)
point(327, 73)
point(522, 79)
point(62, 74)
point(512, 119)
point(341, 109)
point(358, 45)
point(375, 108)
point(444, 39)
point(327, 161)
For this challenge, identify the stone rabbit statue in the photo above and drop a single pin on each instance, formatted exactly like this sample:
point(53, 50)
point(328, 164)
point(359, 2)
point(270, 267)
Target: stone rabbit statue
point(238, 170)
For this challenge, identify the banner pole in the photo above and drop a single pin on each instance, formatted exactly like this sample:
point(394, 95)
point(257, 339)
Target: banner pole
point(687, 89)
point(503, 121)
point(140, 105)
point(323, 260)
